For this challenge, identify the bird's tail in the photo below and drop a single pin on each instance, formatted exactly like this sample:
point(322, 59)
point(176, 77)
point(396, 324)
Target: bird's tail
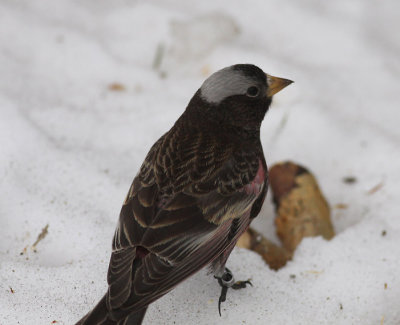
point(100, 316)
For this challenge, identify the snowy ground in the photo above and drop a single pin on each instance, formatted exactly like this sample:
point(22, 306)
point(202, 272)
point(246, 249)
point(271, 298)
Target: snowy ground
point(70, 147)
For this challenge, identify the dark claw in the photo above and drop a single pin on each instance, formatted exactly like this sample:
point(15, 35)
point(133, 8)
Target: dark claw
point(227, 281)
point(241, 284)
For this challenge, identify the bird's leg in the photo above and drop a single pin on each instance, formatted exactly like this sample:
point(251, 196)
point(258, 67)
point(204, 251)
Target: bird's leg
point(227, 281)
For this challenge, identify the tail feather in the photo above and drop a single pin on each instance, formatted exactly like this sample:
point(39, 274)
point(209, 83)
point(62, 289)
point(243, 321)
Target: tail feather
point(100, 316)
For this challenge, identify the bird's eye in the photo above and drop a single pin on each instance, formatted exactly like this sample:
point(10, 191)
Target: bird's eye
point(252, 91)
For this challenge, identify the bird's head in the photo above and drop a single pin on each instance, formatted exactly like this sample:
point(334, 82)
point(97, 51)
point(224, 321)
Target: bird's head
point(240, 95)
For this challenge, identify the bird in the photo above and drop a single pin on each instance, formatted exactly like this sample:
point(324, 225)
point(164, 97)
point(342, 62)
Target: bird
point(198, 189)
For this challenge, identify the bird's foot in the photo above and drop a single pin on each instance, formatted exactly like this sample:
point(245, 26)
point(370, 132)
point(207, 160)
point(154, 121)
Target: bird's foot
point(227, 281)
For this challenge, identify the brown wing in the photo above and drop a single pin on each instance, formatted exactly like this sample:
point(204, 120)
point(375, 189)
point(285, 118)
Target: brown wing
point(177, 218)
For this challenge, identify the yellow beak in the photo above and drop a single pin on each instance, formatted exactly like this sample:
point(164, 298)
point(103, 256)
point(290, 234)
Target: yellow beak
point(276, 84)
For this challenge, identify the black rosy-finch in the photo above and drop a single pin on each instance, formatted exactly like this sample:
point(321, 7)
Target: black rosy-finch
point(197, 191)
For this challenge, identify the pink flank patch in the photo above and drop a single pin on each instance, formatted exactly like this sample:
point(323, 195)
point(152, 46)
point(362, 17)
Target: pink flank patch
point(257, 184)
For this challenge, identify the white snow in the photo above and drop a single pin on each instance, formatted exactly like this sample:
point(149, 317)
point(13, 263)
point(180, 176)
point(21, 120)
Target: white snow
point(70, 147)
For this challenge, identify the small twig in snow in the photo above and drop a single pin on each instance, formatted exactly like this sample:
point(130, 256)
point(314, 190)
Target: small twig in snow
point(349, 179)
point(158, 56)
point(280, 127)
point(41, 236)
point(314, 272)
point(375, 189)
point(341, 206)
point(116, 86)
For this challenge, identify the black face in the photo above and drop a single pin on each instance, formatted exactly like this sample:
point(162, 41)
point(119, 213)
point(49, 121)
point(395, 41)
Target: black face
point(247, 110)
point(233, 97)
